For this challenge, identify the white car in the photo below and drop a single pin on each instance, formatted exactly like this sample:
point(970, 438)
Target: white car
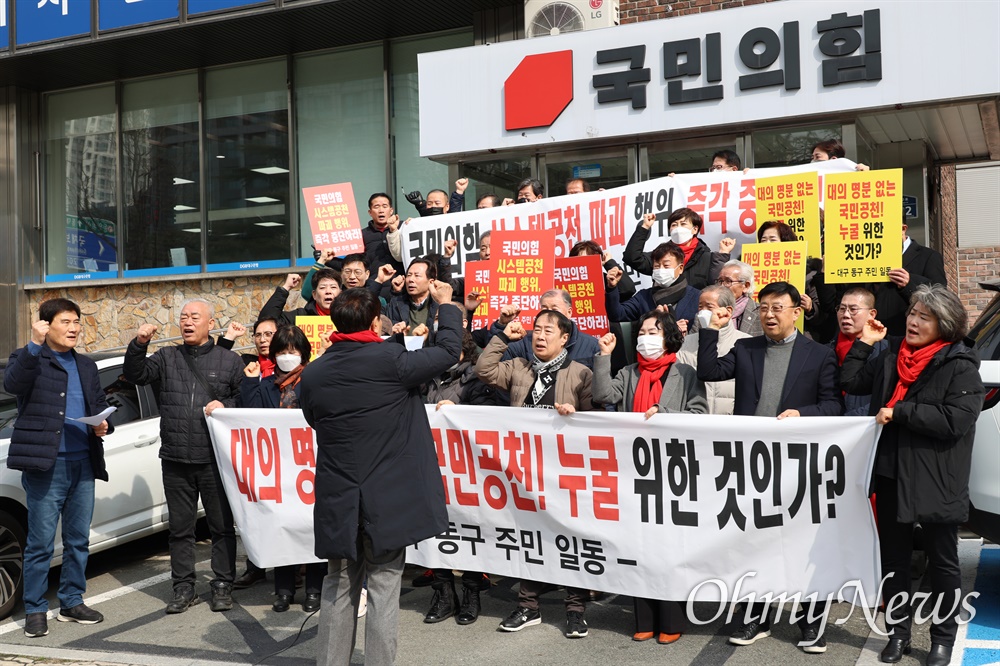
point(129, 506)
point(984, 484)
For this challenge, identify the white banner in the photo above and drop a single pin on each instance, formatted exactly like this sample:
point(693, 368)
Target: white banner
point(726, 201)
point(600, 500)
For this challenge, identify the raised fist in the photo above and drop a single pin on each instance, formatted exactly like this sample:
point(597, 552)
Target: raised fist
point(326, 255)
point(474, 300)
point(235, 331)
point(38, 332)
point(514, 331)
point(398, 282)
point(461, 184)
point(613, 277)
point(508, 313)
point(385, 272)
point(293, 280)
point(607, 343)
point(400, 327)
point(252, 369)
point(726, 245)
point(449, 248)
point(647, 220)
point(393, 222)
point(420, 330)
point(415, 198)
point(441, 292)
point(145, 333)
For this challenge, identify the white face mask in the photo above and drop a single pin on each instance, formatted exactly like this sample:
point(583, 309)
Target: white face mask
point(664, 276)
point(288, 362)
point(650, 346)
point(681, 235)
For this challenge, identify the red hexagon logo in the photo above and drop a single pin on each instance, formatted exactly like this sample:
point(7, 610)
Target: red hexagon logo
point(538, 90)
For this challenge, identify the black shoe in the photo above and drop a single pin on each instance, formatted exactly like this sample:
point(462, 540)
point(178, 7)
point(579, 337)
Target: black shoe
point(576, 626)
point(184, 598)
point(80, 613)
point(812, 642)
point(35, 625)
point(249, 578)
point(311, 603)
point(443, 605)
point(222, 597)
point(751, 632)
point(894, 651)
point(469, 612)
point(521, 618)
point(282, 602)
point(424, 580)
point(940, 655)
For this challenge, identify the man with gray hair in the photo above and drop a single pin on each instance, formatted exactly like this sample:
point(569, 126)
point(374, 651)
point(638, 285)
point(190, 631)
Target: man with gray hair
point(738, 277)
point(195, 379)
point(719, 301)
point(581, 348)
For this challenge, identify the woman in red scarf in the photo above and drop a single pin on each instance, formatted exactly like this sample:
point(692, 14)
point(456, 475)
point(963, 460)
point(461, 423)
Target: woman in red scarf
point(926, 395)
point(289, 352)
point(655, 384)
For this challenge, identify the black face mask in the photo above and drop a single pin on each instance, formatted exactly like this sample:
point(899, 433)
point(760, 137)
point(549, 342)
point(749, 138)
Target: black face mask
point(433, 210)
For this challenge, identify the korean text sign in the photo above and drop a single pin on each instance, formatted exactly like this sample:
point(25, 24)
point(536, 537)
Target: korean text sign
point(599, 500)
point(794, 200)
point(333, 218)
point(522, 269)
point(317, 329)
point(583, 278)
point(863, 225)
point(777, 262)
point(477, 279)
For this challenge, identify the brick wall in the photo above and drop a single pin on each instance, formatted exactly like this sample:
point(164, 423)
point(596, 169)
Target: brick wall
point(975, 265)
point(633, 11)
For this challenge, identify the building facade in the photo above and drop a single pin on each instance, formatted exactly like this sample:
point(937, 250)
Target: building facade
point(155, 152)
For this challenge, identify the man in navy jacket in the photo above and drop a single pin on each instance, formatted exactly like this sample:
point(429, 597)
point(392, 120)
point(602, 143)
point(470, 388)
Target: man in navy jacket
point(58, 458)
point(784, 374)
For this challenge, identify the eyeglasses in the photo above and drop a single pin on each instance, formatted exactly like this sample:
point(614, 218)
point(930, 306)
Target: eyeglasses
point(358, 271)
point(775, 309)
point(718, 167)
point(726, 282)
point(263, 335)
point(853, 309)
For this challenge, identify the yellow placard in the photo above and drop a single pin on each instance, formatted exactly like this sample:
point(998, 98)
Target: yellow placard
point(317, 328)
point(777, 262)
point(794, 200)
point(863, 225)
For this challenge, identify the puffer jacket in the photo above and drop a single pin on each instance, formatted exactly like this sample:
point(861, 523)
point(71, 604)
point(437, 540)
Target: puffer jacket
point(39, 382)
point(721, 395)
point(460, 385)
point(184, 434)
point(516, 376)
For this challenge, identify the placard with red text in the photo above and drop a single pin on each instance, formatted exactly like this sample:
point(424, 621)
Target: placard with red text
point(333, 218)
point(583, 278)
point(522, 269)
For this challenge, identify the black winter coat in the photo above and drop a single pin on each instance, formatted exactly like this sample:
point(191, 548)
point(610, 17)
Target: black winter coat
point(39, 382)
point(398, 309)
point(275, 309)
point(698, 269)
point(461, 385)
point(934, 426)
point(376, 462)
point(377, 249)
point(184, 434)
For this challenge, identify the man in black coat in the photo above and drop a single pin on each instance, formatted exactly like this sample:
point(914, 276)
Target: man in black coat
point(58, 459)
point(921, 265)
point(783, 374)
point(195, 379)
point(378, 485)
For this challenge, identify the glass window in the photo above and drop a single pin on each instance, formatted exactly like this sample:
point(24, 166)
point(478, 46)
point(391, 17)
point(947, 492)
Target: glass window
point(793, 146)
point(607, 169)
point(689, 156)
point(81, 206)
point(411, 171)
point(122, 395)
point(499, 177)
point(340, 122)
point(246, 157)
point(161, 180)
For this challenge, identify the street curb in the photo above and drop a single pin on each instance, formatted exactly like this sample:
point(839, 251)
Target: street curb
point(129, 658)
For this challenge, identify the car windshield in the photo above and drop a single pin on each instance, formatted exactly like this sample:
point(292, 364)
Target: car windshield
point(986, 333)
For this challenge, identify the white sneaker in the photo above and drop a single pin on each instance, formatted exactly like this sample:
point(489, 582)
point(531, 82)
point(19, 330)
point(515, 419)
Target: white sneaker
point(363, 606)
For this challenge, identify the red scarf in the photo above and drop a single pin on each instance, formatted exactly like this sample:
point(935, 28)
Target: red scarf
point(320, 310)
point(689, 248)
point(266, 366)
point(843, 346)
point(367, 335)
point(910, 363)
point(649, 388)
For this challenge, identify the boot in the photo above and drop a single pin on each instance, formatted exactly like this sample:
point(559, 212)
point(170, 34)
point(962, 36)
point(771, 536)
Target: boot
point(444, 604)
point(469, 612)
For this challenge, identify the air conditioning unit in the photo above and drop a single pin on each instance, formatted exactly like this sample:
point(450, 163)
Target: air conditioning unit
point(555, 17)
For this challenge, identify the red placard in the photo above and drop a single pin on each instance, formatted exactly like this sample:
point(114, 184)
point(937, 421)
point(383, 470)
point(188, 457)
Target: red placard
point(523, 268)
point(477, 278)
point(333, 218)
point(583, 278)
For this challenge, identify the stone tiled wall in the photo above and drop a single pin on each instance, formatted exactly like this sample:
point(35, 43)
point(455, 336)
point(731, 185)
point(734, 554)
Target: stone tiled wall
point(633, 11)
point(112, 313)
point(975, 265)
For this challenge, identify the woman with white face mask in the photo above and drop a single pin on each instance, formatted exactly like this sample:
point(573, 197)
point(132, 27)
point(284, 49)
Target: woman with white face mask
point(684, 228)
point(656, 384)
point(290, 351)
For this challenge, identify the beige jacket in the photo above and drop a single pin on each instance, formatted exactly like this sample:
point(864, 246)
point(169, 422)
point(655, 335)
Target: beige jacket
point(721, 395)
point(573, 382)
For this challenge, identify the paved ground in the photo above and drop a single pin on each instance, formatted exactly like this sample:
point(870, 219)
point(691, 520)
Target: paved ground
point(131, 584)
